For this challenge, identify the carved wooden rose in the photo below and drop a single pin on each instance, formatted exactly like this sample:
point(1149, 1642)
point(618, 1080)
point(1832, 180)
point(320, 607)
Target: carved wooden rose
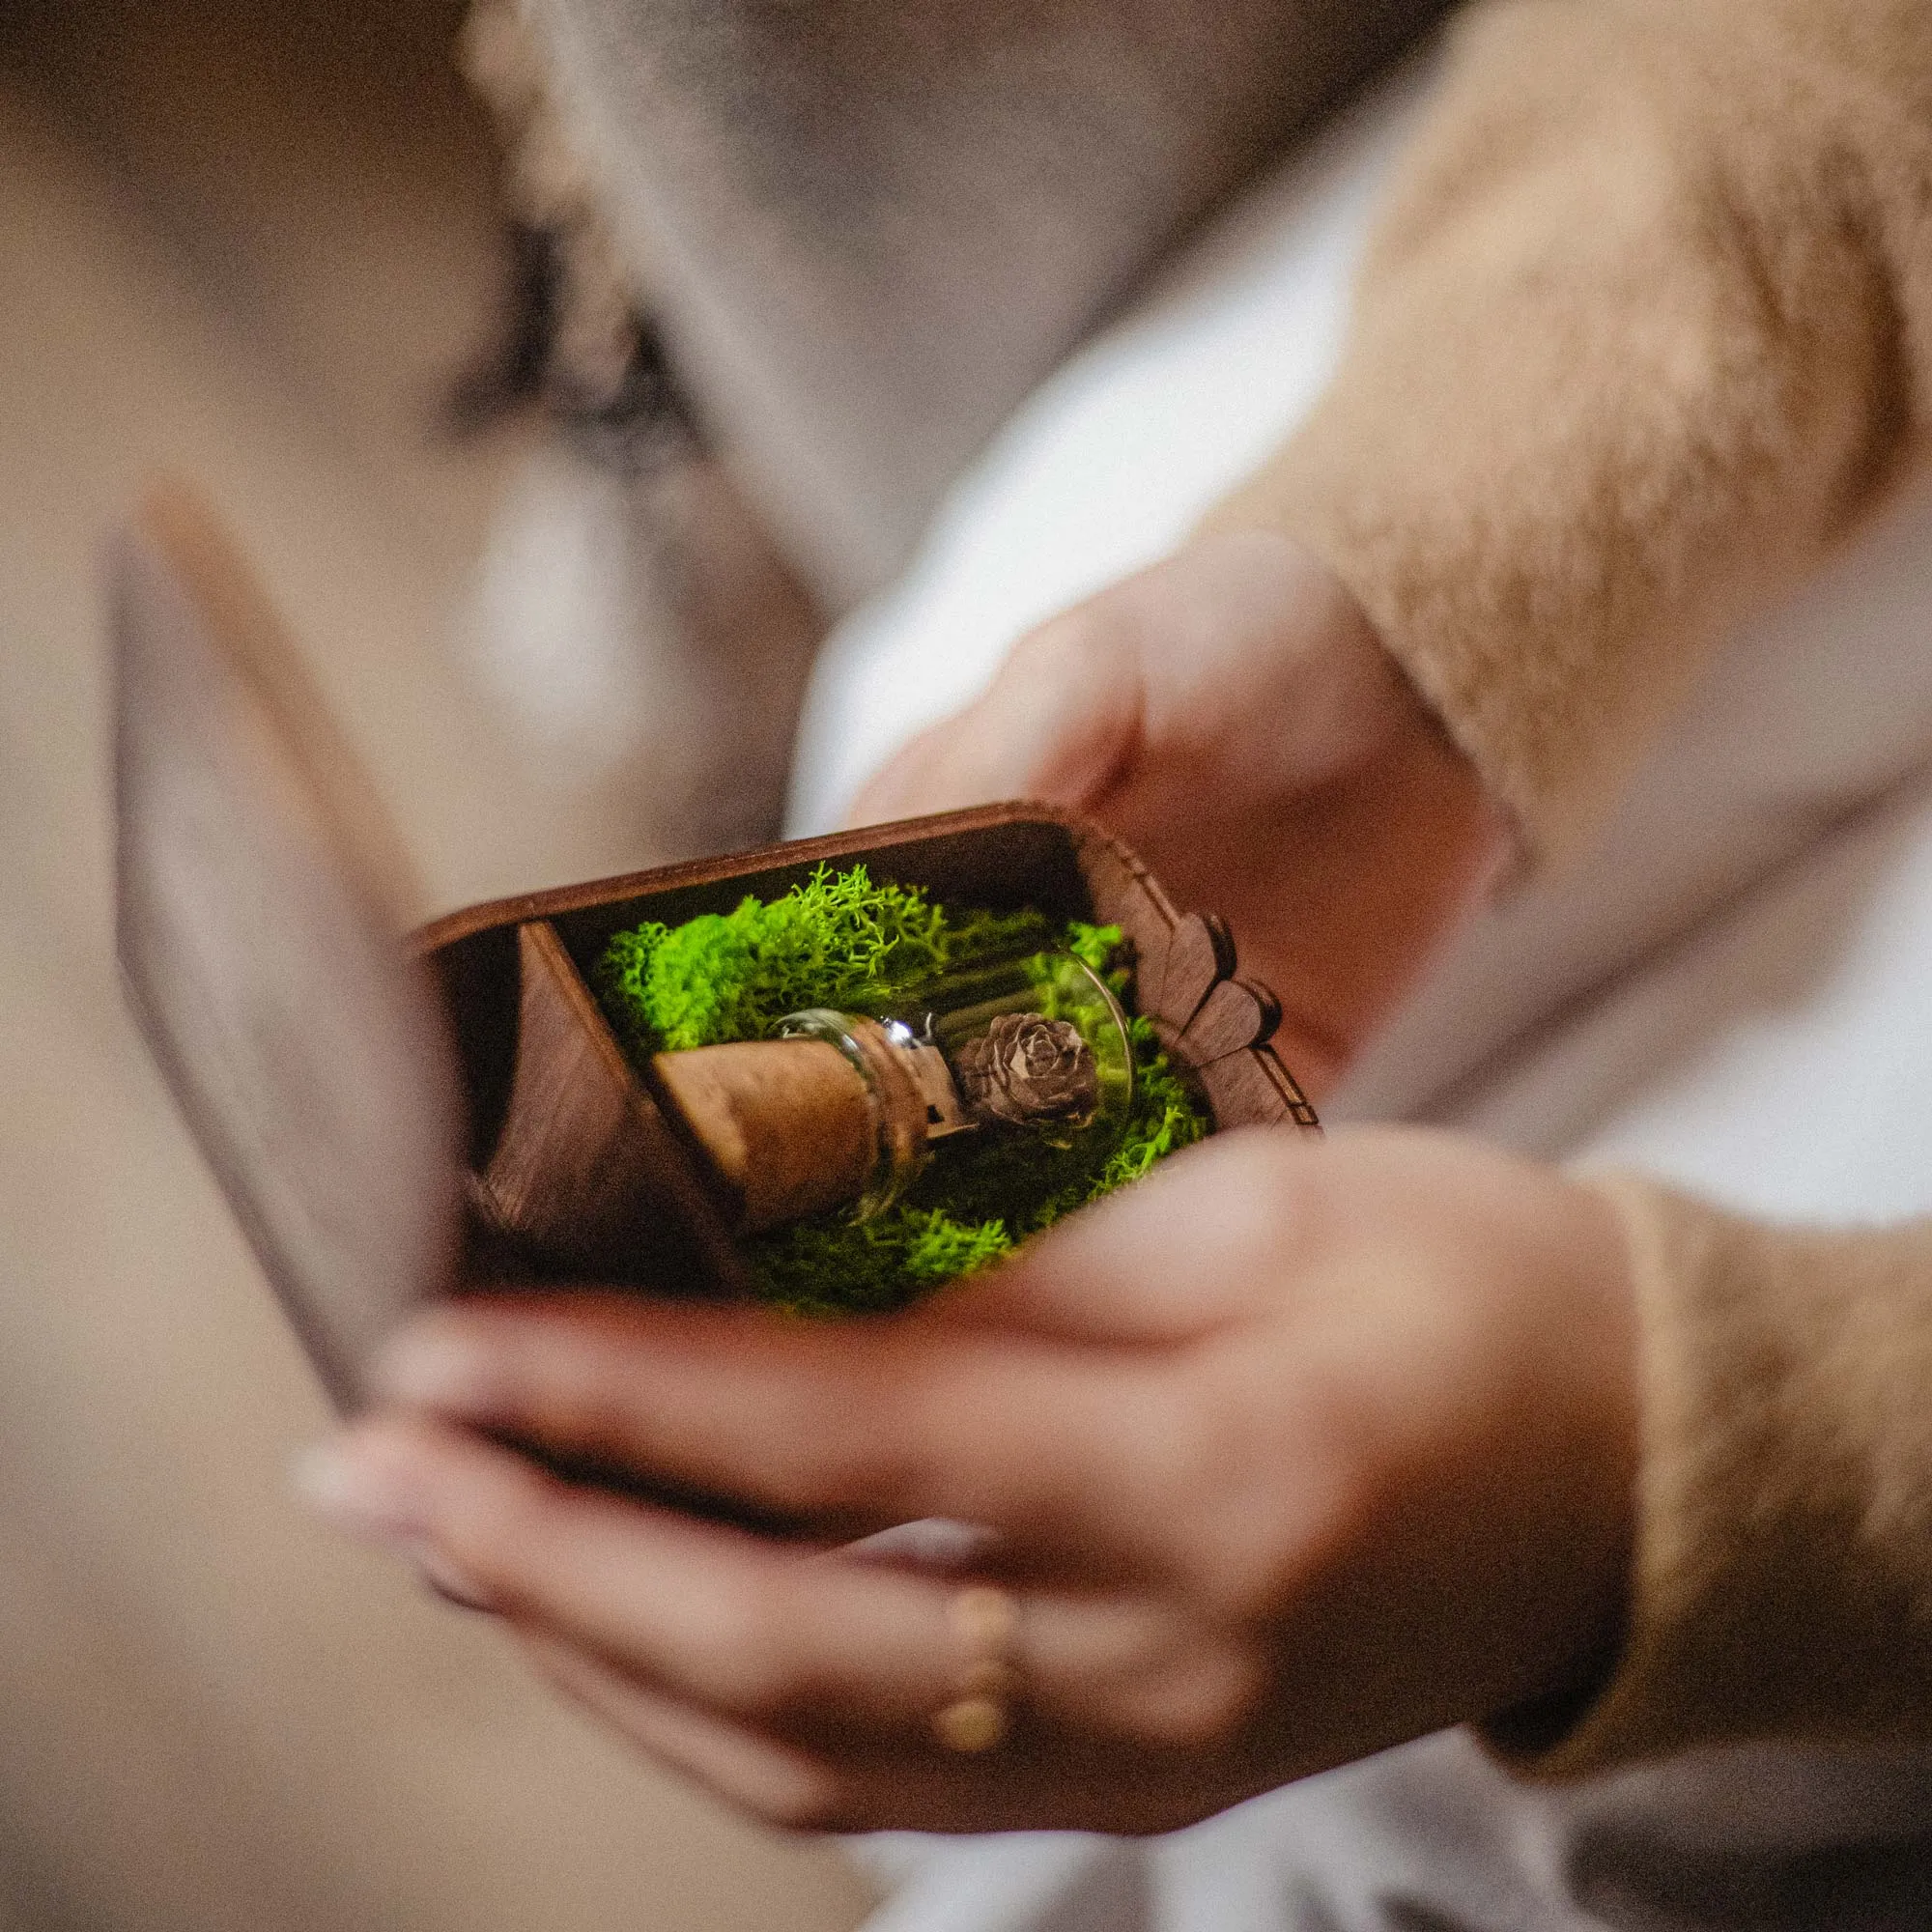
point(1025, 1068)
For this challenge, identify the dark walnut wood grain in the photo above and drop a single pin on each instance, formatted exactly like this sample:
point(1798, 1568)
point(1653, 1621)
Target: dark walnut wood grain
point(588, 1178)
point(255, 886)
point(574, 1188)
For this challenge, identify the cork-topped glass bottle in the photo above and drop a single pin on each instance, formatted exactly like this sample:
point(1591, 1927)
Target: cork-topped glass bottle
point(1035, 1045)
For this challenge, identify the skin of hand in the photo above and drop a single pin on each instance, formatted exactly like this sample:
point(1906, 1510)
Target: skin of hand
point(1231, 713)
point(1290, 1451)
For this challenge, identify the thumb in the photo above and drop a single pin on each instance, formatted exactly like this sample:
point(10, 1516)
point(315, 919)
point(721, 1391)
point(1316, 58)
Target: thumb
point(1056, 725)
point(1240, 661)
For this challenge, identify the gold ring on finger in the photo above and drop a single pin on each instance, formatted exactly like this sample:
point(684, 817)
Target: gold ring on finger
point(986, 1621)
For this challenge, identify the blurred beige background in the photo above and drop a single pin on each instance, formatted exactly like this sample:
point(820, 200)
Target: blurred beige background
point(254, 242)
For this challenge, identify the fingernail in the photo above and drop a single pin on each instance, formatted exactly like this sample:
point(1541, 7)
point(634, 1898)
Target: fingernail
point(452, 1584)
point(377, 1505)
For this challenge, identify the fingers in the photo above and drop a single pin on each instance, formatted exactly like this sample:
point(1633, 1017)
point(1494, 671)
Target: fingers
point(778, 1782)
point(1240, 662)
point(1041, 1398)
point(1058, 723)
point(794, 1786)
point(812, 1650)
point(1038, 1778)
point(1030, 1782)
point(845, 1430)
point(1211, 1236)
point(744, 1626)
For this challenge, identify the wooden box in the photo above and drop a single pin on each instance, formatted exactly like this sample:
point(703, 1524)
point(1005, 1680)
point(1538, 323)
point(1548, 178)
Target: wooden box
point(371, 1104)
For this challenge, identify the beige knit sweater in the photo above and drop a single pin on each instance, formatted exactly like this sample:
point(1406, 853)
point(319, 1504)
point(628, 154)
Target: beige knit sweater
point(1646, 330)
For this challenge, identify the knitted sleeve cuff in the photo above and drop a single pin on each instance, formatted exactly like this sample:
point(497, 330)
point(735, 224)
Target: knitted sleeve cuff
point(1623, 365)
point(1781, 1582)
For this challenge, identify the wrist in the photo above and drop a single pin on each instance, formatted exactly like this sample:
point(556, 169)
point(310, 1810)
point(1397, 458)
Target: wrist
point(1378, 715)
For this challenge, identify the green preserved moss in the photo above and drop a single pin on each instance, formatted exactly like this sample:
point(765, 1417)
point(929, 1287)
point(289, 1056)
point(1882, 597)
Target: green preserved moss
point(839, 939)
point(733, 975)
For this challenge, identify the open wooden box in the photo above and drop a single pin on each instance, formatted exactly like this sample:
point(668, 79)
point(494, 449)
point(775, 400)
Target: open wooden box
point(382, 1114)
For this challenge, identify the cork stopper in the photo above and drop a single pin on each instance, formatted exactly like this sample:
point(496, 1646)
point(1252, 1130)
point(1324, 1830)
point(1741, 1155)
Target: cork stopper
point(787, 1125)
